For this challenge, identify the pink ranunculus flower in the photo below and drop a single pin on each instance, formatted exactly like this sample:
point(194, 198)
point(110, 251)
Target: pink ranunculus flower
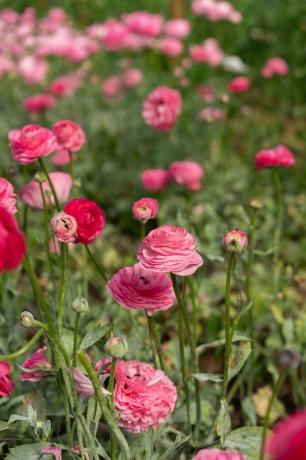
point(177, 28)
point(56, 452)
point(135, 288)
point(187, 173)
point(209, 51)
point(7, 196)
point(61, 158)
point(274, 66)
point(155, 180)
point(279, 156)
point(171, 47)
point(30, 143)
point(36, 363)
point(30, 193)
point(239, 85)
point(114, 34)
point(34, 70)
point(112, 87)
point(69, 136)
point(170, 249)
point(6, 383)
point(212, 114)
point(144, 23)
point(235, 240)
point(217, 454)
point(83, 384)
point(131, 78)
point(145, 209)
point(162, 108)
point(144, 396)
point(64, 227)
point(39, 103)
point(64, 85)
point(288, 441)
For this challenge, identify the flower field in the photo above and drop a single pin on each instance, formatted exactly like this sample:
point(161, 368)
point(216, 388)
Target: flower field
point(152, 230)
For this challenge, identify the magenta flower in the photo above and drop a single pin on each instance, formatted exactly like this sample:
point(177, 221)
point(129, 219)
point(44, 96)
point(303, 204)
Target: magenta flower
point(6, 383)
point(239, 85)
point(217, 454)
point(162, 108)
point(7, 196)
point(145, 209)
point(136, 287)
point(69, 135)
point(209, 51)
point(169, 249)
point(55, 451)
point(112, 87)
point(274, 66)
point(64, 227)
point(171, 47)
point(155, 180)
point(131, 78)
point(187, 173)
point(278, 156)
point(177, 28)
point(39, 103)
point(143, 23)
point(36, 362)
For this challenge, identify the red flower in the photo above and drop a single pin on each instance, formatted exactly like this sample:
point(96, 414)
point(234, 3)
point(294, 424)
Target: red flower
point(6, 384)
point(89, 217)
point(278, 156)
point(12, 242)
point(39, 103)
point(36, 362)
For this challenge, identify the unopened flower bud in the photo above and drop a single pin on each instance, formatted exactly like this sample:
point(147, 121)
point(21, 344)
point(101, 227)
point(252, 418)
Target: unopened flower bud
point(64, 227)
point(40, 177)
point(117, 347)
point(256, 204)
point(27, 319)
point(145, 209)
point(80, 305)
point(288, 359)
point(235, 240)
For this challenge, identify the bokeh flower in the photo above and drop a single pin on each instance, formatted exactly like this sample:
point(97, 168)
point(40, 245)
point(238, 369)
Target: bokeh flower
point(279, 156)
point(6, 383)
point(162, 108)
point(187, 173)
point(12, 242)
point(7, 196)
point(155, 180)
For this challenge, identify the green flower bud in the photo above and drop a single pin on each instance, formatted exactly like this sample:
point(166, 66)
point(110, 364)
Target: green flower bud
point(117, 347)
point(27, 319)
point(80, 305)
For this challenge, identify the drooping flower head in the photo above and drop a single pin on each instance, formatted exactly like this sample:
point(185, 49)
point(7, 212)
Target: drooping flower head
point(35, 364)
point(69, 135)
point(169, 249)
point(187, 173)
point(145, 209)
point(136, 288)
point(64, 227)
point(30, 143)
point(89, 217)
point(12, 242)
point(155, 180)
point(7, 196)
point(279, 156)
point(6, 383)
point(162, 108)
point(217, 454)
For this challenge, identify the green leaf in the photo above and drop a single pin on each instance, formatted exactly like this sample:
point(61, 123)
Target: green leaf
point(3, 425)
point(220, 342)
point(223, 421)
point(208, 377)
point(246, 440)
point(149, 443)
point(93, 336)
point(26, 451)
point(173, 449)
point(239, 355)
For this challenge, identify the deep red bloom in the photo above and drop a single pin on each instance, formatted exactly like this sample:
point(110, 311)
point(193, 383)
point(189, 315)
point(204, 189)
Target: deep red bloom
point(6, 383)
point(89, 217)
point(12, 242)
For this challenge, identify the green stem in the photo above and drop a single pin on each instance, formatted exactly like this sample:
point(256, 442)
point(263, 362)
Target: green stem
point(195, 306)
point(227, 324)
point(111, 387)
point(71, 167)
point(278, 229)
point(152, 341)
point(45, 171)
point(142, 231)
point(64, 258)
point(265, 427)
point(96, 264)
point(75, 339)
point(103, 405)
point(155, 339)
point(25, 219)
point(47, 234)
point(24, 349)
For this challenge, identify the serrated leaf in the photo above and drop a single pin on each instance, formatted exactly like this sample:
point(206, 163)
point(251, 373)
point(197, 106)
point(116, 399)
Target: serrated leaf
point(173, 449)
point(201, 377)
point(246, 440)
point(239, 355)
point(93, 336)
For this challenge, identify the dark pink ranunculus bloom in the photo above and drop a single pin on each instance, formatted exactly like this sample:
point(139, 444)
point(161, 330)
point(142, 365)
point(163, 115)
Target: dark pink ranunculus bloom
point(171, 47)
point(131, 78)
point(135, 288)
point(39, 103)
point(288, 441)
point(177, 28)
point(90, 219)
point(170, 249)
point(278, 156)
point(6, 383)
point(114, 35)
point(155, 180)
point(274, 66)
point(30, 193)
point(162, 108)
point(69, 135)
point(143, 23)
point(64, 85)
point(144, 396)
point(209, 51)
point(217, 454)
point(7, 196)
point(12, 242)
point(187, 173)
point(145, 209)
point(239, 85)
point(64, 227)
point(34, 365)
point(30, 143)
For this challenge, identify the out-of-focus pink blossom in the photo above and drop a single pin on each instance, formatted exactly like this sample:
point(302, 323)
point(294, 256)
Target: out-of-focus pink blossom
point(39, 103)
point(144, 23)
point(64, 85)
point(177, 28)
point(279, 156)
point(132, 78)
point(211, 114)
point(239, 85)
point(217, 454)
point(155, 180)
point(7, 196)
point(115, 34)
point(209, 51)
point(6, 383)
point(187, 173)
point(171, 47)
point(69, 136)
point(216, 10)
point(60, 158)
point(7, 66)
point(35, 363)
point(112, 87)
point(32, 69)
point(162, 108)
point(274, 66)
point(206, 93)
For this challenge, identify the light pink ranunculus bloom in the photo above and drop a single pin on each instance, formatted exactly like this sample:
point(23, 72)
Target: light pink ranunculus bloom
point(217, 454)
point(60, 158)
point(171, 47)
point(177, 28)
point(144, 23)
point(55, 451)
point(39, 103)
point(83, 384)
point(239, 85)
point(274, 66)
point(278, 156)
point(114, 34)
point(144, 396)
point(30, 143)
point(209, 51)
point(187, 173)
point(136, 288)
point(112, 87)
point(7, 196)
point(162, 108)
point(7, 66)
point(132, 78)
point(36, 362)
point(212, 114)
point(30, 194)
point(145, 209)
point(235, 240)
point(32, 69)
point(64, 227)
point(170, 249)
point(155, 180)
point(69, 136)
